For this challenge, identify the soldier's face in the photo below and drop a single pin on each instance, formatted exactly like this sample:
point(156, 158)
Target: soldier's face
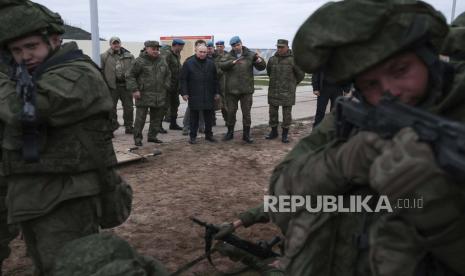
point(210, 50)
point(237, 47)
point(153, 51)
point(220, 48)
point(177, 48)
point(115, 46)
point(32, 50)
point(282, 50)
point(404, 76)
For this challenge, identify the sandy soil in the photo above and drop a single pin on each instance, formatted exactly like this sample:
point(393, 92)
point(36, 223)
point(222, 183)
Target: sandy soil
point(213, 182)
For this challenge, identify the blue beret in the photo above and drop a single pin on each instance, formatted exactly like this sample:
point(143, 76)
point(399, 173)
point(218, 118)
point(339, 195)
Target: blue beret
point(178, 41)
point(234, 40)
point(209, 44)
point(219, 42)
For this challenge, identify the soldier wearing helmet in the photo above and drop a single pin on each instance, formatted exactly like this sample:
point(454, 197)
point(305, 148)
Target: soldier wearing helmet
point(383, 47)
point(58, 157)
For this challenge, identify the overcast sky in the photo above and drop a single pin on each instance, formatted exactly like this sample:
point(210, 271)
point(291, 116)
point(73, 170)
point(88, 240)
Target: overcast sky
point(258, 22)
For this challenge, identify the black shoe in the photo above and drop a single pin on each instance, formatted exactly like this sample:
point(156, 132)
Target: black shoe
point(192, 140)
point(210, 138)
point(230, 134)
point(284, 138)
point(138, 143)
point(154, 140)
point(273, 134)
point(162, 130)
point(246, 135)
point(174, 125)
point(129, 130)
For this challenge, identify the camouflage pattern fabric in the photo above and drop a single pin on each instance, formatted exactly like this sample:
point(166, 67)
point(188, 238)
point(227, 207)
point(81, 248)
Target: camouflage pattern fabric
point(174, 64)
point(246, 105)
point(156, 115)
point(284, 77)
point(274, 116)
point(104, 254)
point(116, 68)
point(337, 243)
point(372, 34)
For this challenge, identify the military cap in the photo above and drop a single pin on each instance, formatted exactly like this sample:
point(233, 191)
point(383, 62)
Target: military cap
point(178, 41)
point(219, 42)
point(282, 42)
point(22, 17)
point(115, 38)
point(348, 37)
point(152, 43)
point(210, 44)
point(234, 40)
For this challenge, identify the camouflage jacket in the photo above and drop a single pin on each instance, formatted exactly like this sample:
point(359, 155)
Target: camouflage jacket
point(284, 77)
point(74, 135)
point(329, 237)
point(221, 77)
point(152, 77)
point(174, 64)
point(239, 76)
point(116, 67)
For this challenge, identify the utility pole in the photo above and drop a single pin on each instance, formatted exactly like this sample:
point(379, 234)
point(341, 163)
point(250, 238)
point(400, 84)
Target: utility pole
point(94, 31)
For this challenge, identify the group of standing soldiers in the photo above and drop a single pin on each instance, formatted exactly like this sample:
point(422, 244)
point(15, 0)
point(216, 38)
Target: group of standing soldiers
point(153, 80)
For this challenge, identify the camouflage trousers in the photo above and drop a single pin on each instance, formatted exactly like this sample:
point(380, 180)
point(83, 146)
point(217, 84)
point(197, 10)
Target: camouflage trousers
point(7, 232)
point(232, 105)
point(156, 115)
point(46, 235)
point(274, 116)
point(172, 104)
point(121, 93)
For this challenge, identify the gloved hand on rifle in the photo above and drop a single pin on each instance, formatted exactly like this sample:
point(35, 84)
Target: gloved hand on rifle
point(227, 228)
point(407, 169)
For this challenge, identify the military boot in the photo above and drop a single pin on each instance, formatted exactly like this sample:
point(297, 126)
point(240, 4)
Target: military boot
point(230, 134)
point(273, 134)
point(174, 125)
point(246, 135)
point(162, 130)
point(284, 138)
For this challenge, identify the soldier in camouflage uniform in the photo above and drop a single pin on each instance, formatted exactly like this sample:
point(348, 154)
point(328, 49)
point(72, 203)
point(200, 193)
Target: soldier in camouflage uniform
point(218, 55)
point(7, 232)
point(453, 46)
point(284, 77)
point(238, 66)
point(384, 47)
point(60, 167)
point(116, 63)
point(173, 59)
point(149, 80)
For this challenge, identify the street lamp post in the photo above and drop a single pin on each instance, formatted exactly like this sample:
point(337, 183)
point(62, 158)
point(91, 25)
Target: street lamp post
point(453, 11)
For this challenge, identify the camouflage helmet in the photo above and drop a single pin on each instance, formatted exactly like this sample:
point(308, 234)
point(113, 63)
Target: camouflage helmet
point(348, 37)
point(22, 17)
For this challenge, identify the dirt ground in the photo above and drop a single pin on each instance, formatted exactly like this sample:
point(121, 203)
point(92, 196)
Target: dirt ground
point(213, 182)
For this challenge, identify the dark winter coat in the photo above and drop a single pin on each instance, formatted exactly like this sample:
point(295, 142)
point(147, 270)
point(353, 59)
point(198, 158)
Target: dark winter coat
point(199, 80)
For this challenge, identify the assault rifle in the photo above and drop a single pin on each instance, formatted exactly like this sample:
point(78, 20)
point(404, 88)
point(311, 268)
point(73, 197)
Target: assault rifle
point(27, 93)
point(446, 137)
point(261, 249)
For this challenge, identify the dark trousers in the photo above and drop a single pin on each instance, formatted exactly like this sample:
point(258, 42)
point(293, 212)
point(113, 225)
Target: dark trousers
point(194, 122)
point(328, 94)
